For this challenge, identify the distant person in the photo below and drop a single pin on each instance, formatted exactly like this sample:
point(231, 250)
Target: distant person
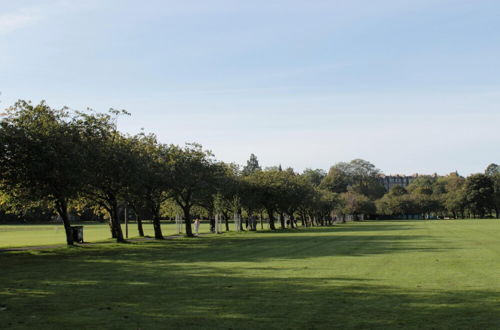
point(197, 226)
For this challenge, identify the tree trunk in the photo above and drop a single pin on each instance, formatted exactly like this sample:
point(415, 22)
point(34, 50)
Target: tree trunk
point(115, 223)
point(226, 220)
point(67, 229)
point(212, 224)
point(139, 225)
point(187, 220)
point(62, 209)
point(271, 220)
point(157, 224)
point(241, 217)
point(282, 221)
point(111, 226)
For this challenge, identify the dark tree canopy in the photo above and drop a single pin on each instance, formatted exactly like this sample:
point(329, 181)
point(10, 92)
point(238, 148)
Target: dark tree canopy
point(41, 157)
point(479, 192)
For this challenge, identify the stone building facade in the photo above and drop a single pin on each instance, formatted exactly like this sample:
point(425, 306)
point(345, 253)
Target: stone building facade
point(389, 181)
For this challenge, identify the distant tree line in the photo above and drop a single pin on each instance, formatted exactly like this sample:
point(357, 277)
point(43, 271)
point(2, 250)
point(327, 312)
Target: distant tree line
point(452, 196)
point(77, 163)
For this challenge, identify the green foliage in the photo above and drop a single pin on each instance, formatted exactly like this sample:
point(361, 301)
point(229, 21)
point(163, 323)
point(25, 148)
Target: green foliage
point(110, 166)
point(336, 180)
point(496, 195)
point(358, 175)
point(56, 159)
point(41, 157)
point(355, 203)
point(479, 193)
point(450, 191)
point(252, 166)
point(314, 177)
point(422, 185)
point(192, 177)
point(492, 169)
point(397, 202)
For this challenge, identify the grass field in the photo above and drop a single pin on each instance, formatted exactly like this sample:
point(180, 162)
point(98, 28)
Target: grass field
point(391, 274)
point(33, 235)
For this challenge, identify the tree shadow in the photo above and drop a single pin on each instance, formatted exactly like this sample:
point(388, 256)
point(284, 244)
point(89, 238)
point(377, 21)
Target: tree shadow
point(280, 246)
point(113, 289)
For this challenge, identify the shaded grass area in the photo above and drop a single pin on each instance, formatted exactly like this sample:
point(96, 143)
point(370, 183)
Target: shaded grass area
point(361, 275)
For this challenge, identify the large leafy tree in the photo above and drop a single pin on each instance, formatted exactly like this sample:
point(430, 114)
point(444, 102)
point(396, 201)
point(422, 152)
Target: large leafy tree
point(322, 205)
point(493, 171)
point(41, 157)
point(192, 178)
point(450, 193)
point(337, 180)
point(232, 194)
point(314, 177)
point(396, 202)
point(266, 192)
point(109, 165)
point(293, 191)
point(496, 195)
point(357, 204)
point(148, 184)
point(358, 175)
point(279, 192)
point(479, 192)
point(424, 184)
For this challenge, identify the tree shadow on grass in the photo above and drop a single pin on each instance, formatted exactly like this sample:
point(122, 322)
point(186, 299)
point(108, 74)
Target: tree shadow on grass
point(108, 289)
point(257, 248)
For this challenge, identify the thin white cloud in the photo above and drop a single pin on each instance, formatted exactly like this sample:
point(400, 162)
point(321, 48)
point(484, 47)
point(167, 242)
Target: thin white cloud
point(29, 16)
point(11, 22)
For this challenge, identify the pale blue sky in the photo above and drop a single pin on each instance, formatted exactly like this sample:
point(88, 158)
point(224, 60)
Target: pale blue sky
point(412, 86)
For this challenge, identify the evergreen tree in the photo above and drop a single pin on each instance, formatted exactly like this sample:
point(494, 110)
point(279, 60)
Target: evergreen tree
point(252, 166)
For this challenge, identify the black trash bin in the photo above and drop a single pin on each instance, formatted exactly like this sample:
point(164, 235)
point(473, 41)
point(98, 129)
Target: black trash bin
point(77, 233)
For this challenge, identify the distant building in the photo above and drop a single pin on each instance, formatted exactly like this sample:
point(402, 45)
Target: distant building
point(389, 181)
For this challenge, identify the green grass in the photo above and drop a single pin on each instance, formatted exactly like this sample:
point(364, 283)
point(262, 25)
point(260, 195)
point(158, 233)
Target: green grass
point(33, 235)
point(391, 274)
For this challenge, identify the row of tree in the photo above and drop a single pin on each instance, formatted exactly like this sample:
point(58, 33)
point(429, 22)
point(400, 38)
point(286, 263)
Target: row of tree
point(72, 162)
point(447, 196)
point(69, 161)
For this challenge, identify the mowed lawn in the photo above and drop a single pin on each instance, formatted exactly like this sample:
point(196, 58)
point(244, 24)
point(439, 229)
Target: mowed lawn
point(391, 274)
point(40, 235)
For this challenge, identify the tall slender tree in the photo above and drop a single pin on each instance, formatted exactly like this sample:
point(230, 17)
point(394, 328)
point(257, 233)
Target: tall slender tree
point(252, 166)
